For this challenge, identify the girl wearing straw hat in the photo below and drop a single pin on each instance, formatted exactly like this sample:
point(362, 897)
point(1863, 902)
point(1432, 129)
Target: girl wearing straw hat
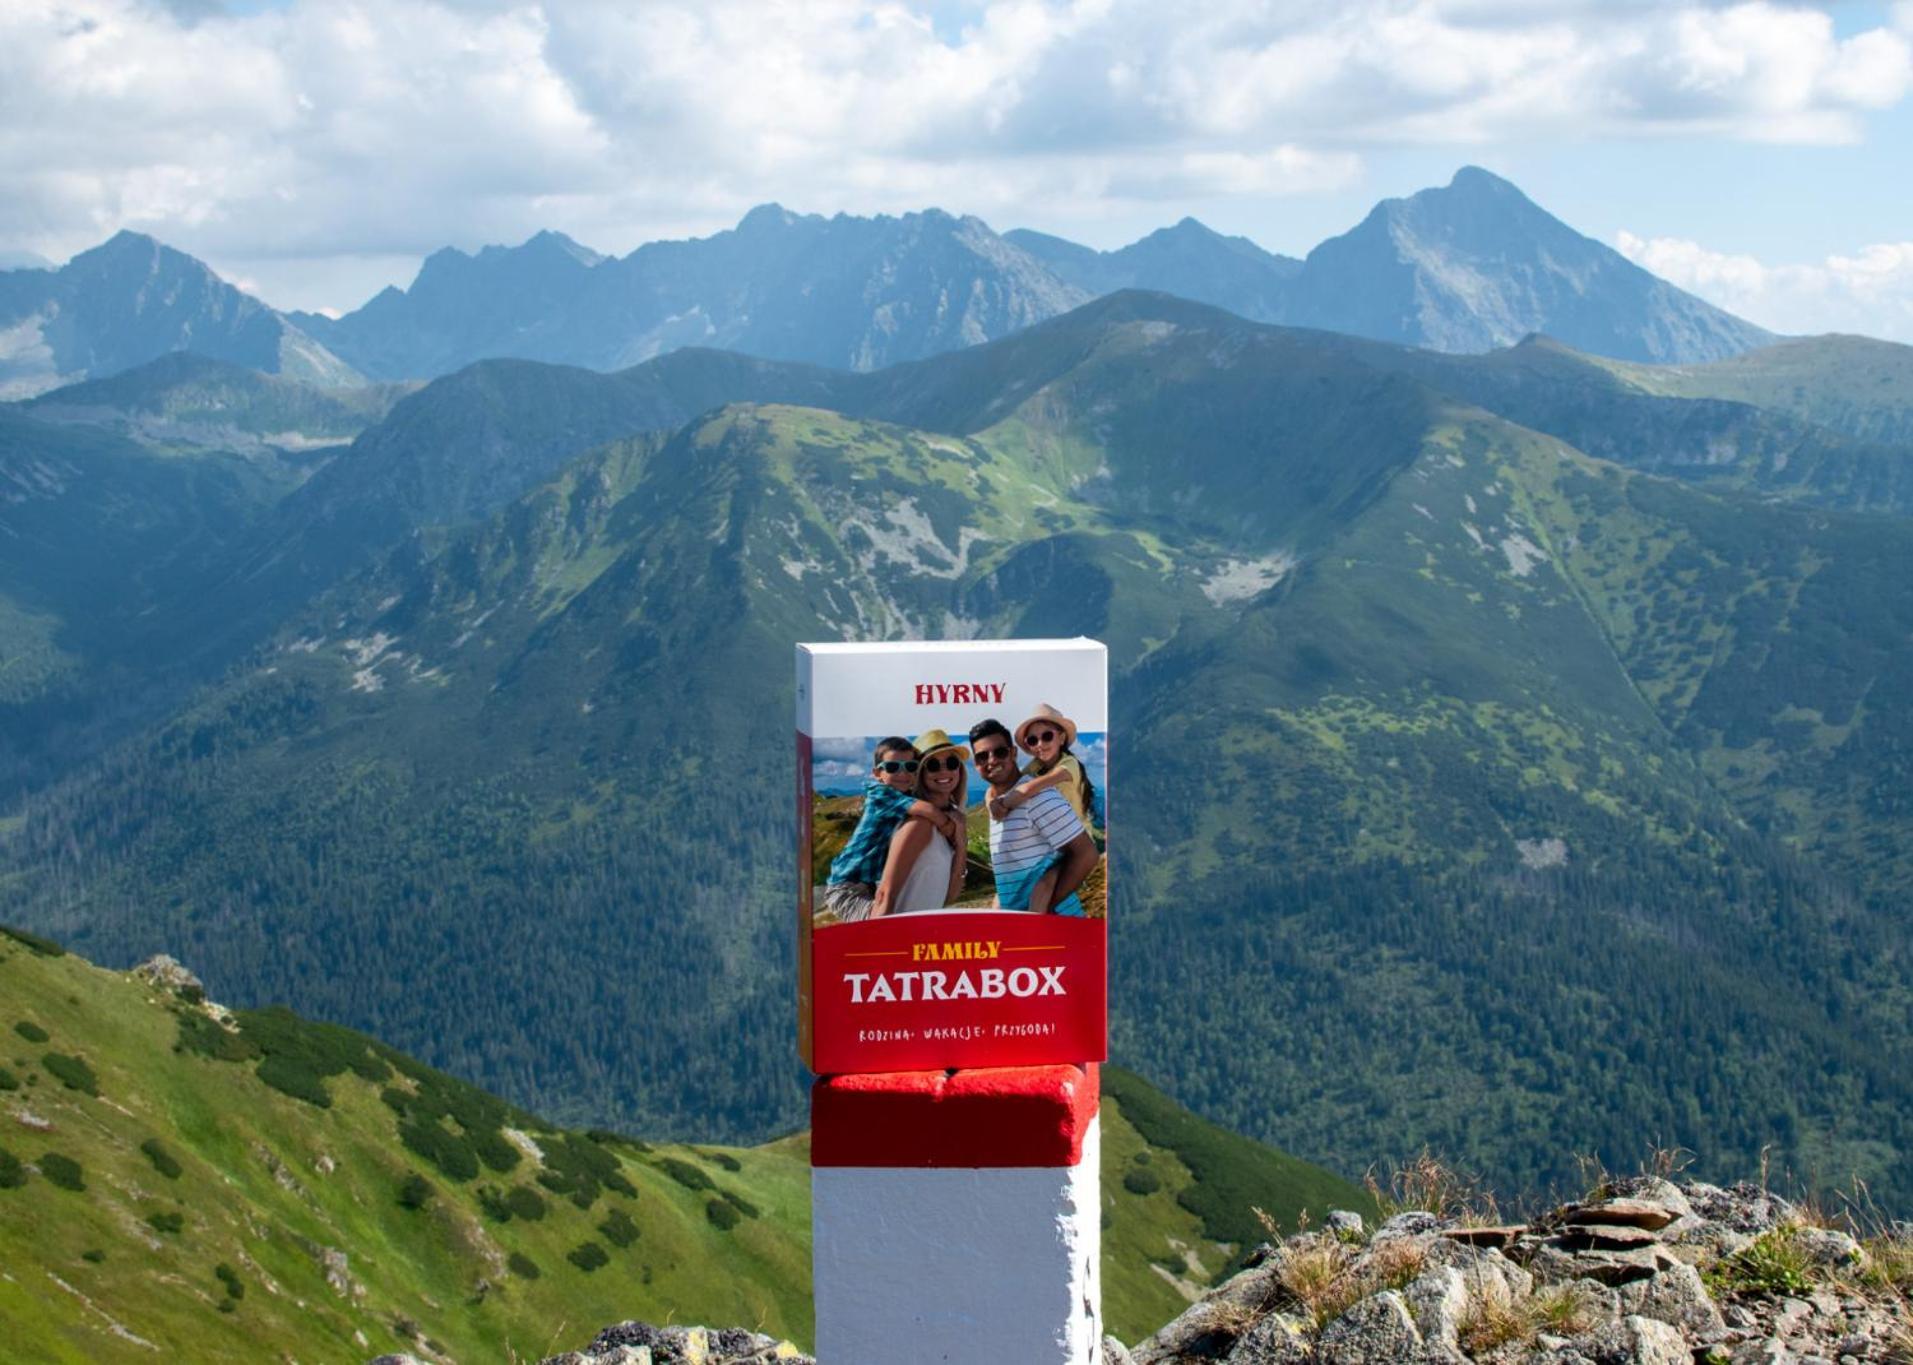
point(1046, 737)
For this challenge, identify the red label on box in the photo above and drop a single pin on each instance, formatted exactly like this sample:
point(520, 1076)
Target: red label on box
point(957, 989)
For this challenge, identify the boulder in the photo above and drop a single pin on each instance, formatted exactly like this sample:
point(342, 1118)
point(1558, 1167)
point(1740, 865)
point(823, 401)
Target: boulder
point(1276, 1340)
point(169, 974)
point(1676, 1297)
point(1438, 1300)
point(1344, 1224)
point(1115, 1353)
point(1377, 1331)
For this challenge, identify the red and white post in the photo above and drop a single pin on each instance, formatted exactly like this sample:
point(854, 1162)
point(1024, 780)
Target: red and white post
point(956, 1217)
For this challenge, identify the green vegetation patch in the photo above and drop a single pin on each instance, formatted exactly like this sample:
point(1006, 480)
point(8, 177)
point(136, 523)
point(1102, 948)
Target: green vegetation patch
point(298, 1055)
point(63, 1171)
point(523, 1266)
point(163, 1161)
point(722, 1215)
point(415, 1191)
point(687, 1175)
point(226, 1275)
point(93, 1256)
point(204, 1036)
point(1141, 1180)
point(588, 1256)
point(739, 1202)
point(448, 1151)
point(455, 1126)
point(31, 1031)
point(724, 1159)
point(8, 1081)
point(578, 1168)
point(13, 1172)
point(1774, 1263)
point(618, 1229)
point(72, 1072)
point(166, 1221)
point(43, 947)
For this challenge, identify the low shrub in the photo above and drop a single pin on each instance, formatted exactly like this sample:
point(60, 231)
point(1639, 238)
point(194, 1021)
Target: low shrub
point(523, 1266)
point(588, 1256)
point(166, 1221)
point(492, 1204)
point(235, 1287)
point(739, 1202)
point(163, 1161)
point(71, 1072)
point(445, 1149)
point(722, 1215)
point(724, 1159)
point(295, 1076)
point(204, 1036)
point(526, 1203)
point(687, 1175)
point(617, 1184)
point(13, 1172)
point(618, 1229)
point(415, 1191)
point(94, 1255)
point(63, 1171)
point(8, 1081)
point(1141, 1180)
point(31, 1031)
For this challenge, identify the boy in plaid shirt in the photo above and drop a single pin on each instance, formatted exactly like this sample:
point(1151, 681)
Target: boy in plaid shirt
point(888, 802)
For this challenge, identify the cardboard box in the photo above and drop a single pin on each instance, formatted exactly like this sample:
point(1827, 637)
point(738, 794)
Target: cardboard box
point(933, 929)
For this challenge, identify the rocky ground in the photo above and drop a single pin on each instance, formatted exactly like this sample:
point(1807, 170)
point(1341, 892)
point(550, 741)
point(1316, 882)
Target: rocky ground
point(1644, 1272)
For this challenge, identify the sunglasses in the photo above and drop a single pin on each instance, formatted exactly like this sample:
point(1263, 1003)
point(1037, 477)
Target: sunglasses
point(897, 765)
point(1044, 736)
point(983, 755)
point(943, 765)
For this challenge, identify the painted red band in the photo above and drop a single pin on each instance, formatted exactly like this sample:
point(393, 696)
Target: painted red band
point(993, 1116)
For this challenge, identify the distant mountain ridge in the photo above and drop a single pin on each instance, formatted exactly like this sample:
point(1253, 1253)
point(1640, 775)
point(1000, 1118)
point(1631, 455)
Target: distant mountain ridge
point(131, 299)
point(1465, 267)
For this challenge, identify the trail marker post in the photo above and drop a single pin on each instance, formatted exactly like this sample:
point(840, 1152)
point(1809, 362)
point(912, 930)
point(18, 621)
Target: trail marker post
point(952, 996)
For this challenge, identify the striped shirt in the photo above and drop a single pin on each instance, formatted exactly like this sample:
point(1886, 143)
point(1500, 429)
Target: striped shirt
point(1026, 843)
point(863, 857)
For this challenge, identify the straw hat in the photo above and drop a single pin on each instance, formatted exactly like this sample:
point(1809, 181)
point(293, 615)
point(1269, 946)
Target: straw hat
point(1045, 712)
point(931, 740)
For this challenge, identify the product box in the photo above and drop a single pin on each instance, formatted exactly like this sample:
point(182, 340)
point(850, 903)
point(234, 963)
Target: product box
point(952, 854)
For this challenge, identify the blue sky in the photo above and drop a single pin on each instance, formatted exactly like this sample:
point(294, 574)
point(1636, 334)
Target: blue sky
point(316, 150)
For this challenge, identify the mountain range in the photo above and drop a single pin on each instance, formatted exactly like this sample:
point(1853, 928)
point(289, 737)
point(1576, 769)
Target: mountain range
point(1466, 267)
point(1513, 757)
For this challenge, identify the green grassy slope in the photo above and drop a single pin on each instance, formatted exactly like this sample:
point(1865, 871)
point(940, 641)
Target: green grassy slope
point(408, 1210)
point(1853, 384)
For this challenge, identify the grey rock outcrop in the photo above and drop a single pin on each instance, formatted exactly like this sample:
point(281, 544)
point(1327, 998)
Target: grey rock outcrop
point(642, 1343)
point(1645, 1272)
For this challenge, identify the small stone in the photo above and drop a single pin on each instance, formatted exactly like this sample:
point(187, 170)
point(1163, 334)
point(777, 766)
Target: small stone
point(1634, 1213)
point(1345, 1224)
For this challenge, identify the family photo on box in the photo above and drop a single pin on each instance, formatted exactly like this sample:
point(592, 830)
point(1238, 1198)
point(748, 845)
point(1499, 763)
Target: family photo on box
point(999, 818)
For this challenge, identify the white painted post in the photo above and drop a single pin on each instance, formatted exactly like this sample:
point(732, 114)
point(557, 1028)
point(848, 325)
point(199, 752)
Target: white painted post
point(957, 1217)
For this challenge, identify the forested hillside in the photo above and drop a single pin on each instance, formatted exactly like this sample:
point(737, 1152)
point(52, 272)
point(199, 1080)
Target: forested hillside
point(1475, 788)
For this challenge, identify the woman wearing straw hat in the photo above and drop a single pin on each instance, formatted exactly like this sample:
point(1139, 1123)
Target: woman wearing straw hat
point(923, 871)
point(1046, 737)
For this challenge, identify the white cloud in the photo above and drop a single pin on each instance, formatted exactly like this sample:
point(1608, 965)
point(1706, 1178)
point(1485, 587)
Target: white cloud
point(1869, 291)
point(352, 130)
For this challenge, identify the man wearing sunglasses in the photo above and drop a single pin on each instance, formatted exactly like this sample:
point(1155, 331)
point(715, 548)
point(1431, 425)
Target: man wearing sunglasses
point(889, 800)
point(1040, 850)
